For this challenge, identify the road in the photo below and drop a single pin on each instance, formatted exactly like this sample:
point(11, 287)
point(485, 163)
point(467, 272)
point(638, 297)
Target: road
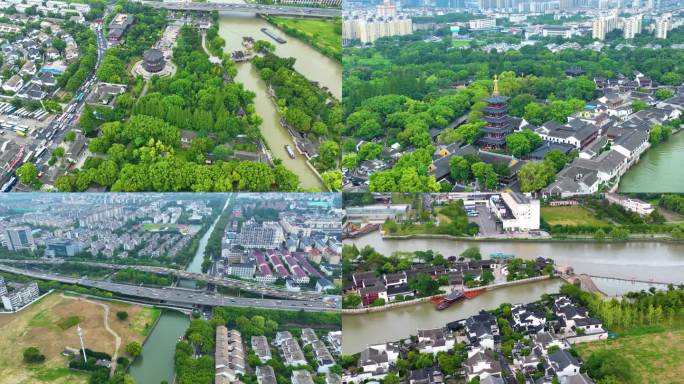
point(181, 296)
point(50, 137)
point(222, 282)
point(274, 10)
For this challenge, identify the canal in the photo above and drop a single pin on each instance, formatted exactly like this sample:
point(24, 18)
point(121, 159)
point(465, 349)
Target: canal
point(659, 169)
point(400, 323)
point(655, 261)
point(156, 361)
point(197, 260)
point(310, 63)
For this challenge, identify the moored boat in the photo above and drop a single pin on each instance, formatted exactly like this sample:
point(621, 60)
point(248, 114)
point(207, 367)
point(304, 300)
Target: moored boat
point(450, 299)
point(289, 150)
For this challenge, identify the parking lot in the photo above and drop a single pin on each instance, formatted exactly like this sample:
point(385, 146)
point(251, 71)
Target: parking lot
point(486, 220)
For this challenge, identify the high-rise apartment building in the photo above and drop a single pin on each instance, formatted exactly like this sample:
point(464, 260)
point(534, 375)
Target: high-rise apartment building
point(631, 26)
point(18, 238)
point(368, 28)
point(603, 25)
point(662, 26)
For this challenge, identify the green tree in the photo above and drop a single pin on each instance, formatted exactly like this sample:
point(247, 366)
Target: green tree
point(133, 349)
point(638, 105)
point(485, 175)
point(556, 158)
point(122, 315)
point(32, 355)
point(351, 301)
point(663, 94)
point(28, 173)
point(472, 253)
point(424, 285)
point(70, 136)
point(600, 234)
point(534, 176)
point(459, 168)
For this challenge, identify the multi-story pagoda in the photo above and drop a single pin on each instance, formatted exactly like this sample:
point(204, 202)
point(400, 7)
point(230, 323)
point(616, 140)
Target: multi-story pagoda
point(498, 123)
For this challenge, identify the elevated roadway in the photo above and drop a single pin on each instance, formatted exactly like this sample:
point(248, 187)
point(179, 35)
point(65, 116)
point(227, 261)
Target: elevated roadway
point(269, 10)
point(248, 286)
point(180, 296)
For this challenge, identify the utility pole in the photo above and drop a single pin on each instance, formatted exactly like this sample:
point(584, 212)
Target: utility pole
point(80, 336)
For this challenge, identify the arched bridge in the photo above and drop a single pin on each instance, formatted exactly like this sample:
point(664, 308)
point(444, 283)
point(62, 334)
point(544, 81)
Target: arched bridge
point(272, 10)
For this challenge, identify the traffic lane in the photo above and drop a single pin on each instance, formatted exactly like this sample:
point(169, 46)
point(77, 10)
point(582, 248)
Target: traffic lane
point(181, 295)
point(201, 298)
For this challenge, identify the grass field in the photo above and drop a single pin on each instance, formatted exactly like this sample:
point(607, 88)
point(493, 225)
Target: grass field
point(460, 43)
point(50, 325)
point(325, 35)
point(655, 358)
point(570, 215)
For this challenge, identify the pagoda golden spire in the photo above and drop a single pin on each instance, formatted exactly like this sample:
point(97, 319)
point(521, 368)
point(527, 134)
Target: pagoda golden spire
point(496, 86)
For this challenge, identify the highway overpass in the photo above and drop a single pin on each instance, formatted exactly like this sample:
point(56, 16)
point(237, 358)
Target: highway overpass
point(270, 10)
point(248, 286)
point(182, 296)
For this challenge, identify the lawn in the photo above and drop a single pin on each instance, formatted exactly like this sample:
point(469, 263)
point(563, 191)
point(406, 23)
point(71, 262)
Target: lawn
point(50, 325)
point(656, 358)
point(460, 43)
point(324, 35)
point(570, 215)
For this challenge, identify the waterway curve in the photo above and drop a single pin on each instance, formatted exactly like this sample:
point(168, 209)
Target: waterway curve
point(309, 62)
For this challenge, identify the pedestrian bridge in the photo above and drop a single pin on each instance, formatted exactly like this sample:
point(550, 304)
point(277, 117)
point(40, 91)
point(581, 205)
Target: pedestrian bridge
point(269, 10)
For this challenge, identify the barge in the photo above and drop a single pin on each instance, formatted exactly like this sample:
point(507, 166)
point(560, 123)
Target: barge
point(273, 36)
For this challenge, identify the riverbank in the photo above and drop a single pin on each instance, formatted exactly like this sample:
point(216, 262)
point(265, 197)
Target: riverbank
point(156, 362)
point(421, 300)
point(530, 240)
point(323, 35)
point(398, 323)
point(656, 170)
point(649, 260)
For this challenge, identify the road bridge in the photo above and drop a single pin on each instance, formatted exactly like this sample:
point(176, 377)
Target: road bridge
point(268, 10)
point(248, 286)
point(180, 296)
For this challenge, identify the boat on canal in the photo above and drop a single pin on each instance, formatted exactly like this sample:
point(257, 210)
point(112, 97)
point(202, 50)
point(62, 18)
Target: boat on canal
point(273, 36)
point(289, 151)
point(448, 300)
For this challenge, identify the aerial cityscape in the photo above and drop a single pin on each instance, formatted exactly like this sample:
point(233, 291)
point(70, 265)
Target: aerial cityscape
point(559, 98)
point(495, 287)
point(196, 276)
point(162, 96)
point(341, 191)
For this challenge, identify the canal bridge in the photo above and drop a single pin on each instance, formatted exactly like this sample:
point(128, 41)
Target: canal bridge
point(586, 281)
point(179, 297)
point(267, 10)
point(248, 286)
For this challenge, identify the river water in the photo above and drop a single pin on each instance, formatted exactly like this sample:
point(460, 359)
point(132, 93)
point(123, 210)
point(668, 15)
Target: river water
point(634, 260)
point(196, 262)
point(659, 170)
point(400, 323)
point(156, 362)
point(310, 63)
